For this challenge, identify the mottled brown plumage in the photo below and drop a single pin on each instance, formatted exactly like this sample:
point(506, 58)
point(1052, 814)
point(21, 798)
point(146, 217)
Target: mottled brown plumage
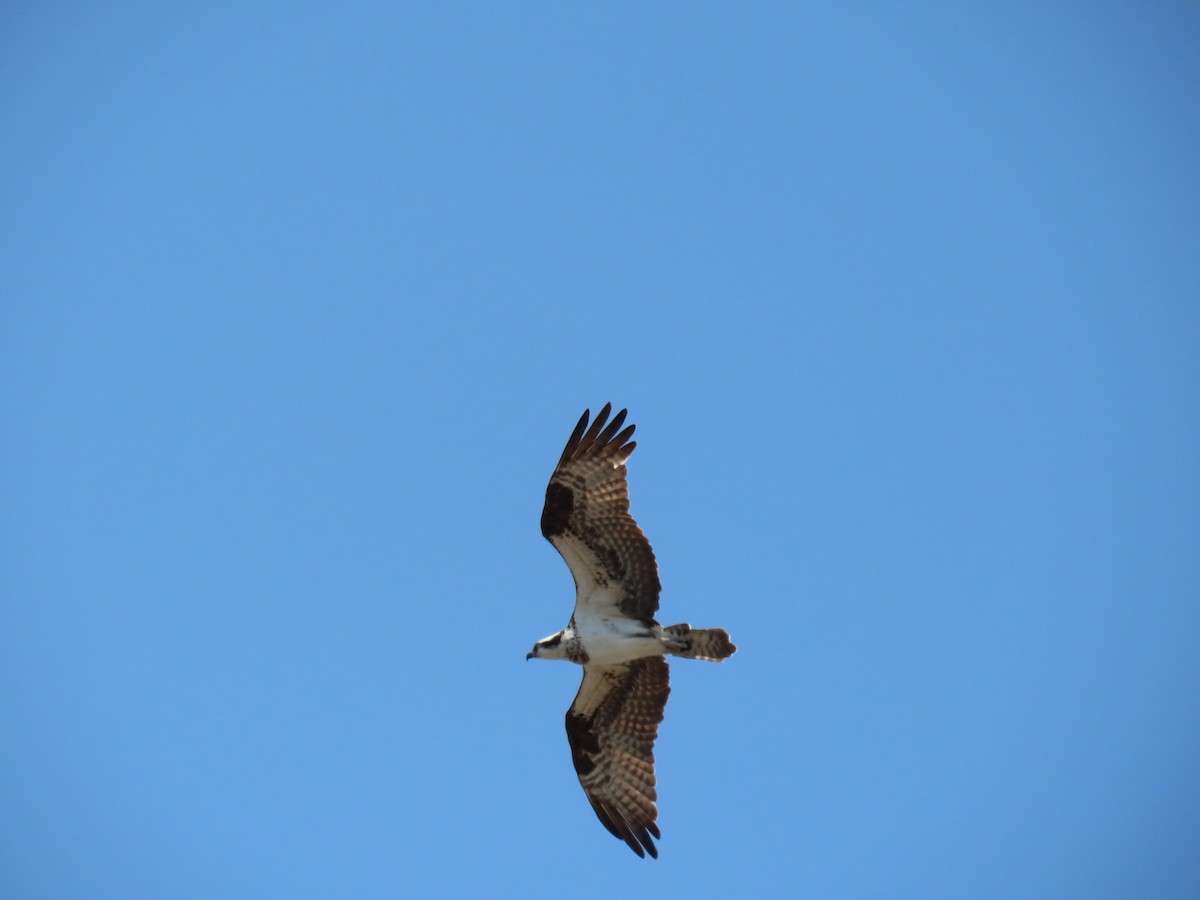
point(587, 518)
point(611, 728)
point(613, 722)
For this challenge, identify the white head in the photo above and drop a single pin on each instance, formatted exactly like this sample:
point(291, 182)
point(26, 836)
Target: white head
point(548, 648)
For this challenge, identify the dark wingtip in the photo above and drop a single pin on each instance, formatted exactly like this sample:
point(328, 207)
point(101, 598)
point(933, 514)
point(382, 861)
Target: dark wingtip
point(589, 436)
point(576, 436)
point(598, 432)
point(637, 842)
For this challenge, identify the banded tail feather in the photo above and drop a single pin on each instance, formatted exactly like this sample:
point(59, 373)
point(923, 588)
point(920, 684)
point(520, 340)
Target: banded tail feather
point(712, 644)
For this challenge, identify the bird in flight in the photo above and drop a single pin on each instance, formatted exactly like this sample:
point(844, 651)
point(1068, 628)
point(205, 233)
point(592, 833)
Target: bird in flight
point(613, 721)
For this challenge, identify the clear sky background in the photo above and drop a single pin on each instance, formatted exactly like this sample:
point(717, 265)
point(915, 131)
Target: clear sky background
point(301, 301)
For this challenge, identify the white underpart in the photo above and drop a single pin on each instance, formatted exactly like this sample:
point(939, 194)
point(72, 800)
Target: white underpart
point(610, 637)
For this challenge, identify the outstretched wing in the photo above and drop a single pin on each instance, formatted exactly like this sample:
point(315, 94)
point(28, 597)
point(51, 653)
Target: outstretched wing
point(611, 727)
point(586, 518)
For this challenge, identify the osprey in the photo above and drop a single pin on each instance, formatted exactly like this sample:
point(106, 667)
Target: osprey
point(612, 724)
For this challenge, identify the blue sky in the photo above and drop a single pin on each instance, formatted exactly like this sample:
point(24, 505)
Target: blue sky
point(301, 301)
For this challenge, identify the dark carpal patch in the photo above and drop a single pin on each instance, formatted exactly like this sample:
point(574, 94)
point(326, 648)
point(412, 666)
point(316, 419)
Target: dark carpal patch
point(583, 742)
point(560, 503)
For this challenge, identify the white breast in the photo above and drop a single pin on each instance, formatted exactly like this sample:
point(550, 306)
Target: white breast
point(610, 639)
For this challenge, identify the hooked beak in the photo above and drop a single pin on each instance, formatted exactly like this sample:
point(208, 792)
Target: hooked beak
point(528, 657)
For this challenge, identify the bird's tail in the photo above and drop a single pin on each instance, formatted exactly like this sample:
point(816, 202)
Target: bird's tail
point(712, 644)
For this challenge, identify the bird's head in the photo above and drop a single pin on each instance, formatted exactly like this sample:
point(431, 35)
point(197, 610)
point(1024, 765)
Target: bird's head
point(547, 648)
